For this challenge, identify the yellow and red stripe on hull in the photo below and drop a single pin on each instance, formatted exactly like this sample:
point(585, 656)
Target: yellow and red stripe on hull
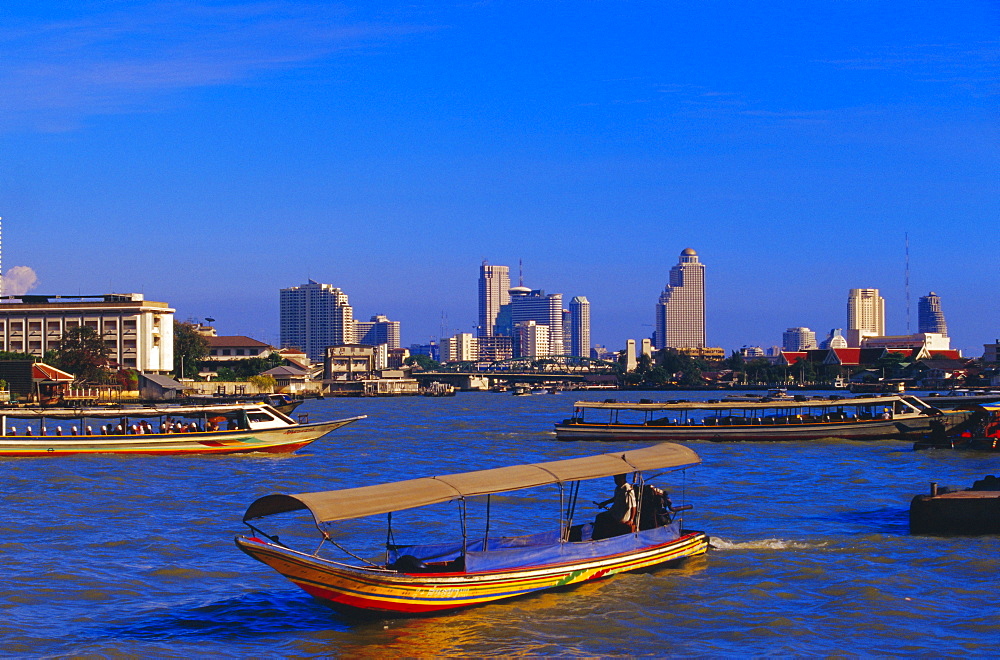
point(375, 590)
point(280, 440)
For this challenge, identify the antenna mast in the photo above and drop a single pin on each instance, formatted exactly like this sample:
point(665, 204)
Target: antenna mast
point(520, 272)
point(906, 237)
point(1, 257)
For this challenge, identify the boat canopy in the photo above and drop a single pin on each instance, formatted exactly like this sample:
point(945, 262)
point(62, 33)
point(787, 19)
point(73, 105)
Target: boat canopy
point(364, 501)
point(742, 405)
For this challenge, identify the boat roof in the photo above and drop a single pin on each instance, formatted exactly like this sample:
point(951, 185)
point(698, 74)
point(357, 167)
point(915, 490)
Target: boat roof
point(101, 412)
point(385, 498)
point(739, 405)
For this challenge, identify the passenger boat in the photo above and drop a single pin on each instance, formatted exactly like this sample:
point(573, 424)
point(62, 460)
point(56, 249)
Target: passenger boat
point(479, 567)
point(208, 429)
point(866, 418)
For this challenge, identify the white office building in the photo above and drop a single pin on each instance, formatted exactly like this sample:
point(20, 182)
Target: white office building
point(798, 339)
point(534, 339)
point(315, 316)
point(463, 347)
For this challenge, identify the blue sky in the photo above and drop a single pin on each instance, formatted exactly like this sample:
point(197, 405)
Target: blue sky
point(208, 154)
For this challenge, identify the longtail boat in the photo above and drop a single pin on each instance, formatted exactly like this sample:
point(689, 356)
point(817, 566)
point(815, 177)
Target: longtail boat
point(420, 579)
point(802, 418)
point(166, 429)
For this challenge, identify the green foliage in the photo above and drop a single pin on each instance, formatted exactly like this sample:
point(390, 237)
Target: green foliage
point(190, 348)
point(82, 353)
point(128, 379)
point(263, 382)
point(13, 355)
point(425, 362)
point(247, 368)
point(735, 361)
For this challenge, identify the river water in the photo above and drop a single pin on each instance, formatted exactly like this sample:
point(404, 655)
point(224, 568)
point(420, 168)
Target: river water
point(812, 553)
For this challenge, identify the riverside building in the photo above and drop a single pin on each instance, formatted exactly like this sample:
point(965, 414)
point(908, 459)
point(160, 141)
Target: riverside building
point(315, 316)
point(138, 333)
point(680, 312)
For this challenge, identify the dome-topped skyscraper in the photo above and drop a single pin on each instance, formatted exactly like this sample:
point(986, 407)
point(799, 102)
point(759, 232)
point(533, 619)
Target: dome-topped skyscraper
point(680, 312)
point(930, 318)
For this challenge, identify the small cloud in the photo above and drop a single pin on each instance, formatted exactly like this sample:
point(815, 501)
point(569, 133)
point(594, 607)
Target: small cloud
point(19, 280)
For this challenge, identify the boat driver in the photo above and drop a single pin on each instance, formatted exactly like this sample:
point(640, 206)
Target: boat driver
point(620, 518)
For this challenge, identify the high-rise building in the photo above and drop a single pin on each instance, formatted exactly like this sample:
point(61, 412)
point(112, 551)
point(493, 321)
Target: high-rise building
point(865, 315)
point(680, 312)
point(494, 288)
point(534, 305)
point(567, 320)
point(533, 339)
point(798, 339)
point(379, 330)
point(930, 318)
point(315, 316)
point(579, 312)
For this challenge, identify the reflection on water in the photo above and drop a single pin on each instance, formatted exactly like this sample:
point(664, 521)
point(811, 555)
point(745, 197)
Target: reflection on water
point(811, 552)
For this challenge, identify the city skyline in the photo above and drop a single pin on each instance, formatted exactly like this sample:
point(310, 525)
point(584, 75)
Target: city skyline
point(209, 154)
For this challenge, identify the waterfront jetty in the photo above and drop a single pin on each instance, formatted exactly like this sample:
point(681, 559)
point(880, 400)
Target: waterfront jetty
point(971, 511)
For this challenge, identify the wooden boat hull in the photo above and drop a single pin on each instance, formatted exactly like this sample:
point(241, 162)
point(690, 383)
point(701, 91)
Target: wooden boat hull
point(877, 429)
point(380, 591)
point(277, 440)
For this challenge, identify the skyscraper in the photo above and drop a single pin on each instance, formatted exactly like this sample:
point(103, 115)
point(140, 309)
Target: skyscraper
point(579, 312)
point(865, 315)
point(534, 305)
point(680, 312)
point(494, 287)
point(314, 316)
point(930, 318)
point(379, 330)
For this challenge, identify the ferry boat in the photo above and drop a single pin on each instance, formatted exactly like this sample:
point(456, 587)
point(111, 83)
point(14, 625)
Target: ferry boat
point(865, 418)
point(207, 429)
point(416, 579)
